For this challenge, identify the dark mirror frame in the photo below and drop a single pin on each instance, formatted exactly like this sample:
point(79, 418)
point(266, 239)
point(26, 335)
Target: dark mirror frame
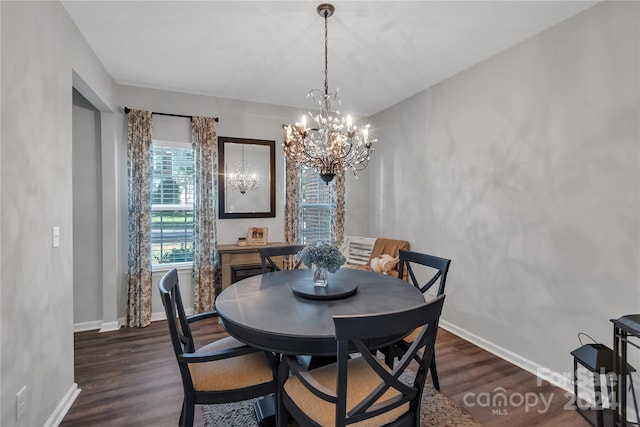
point(222, 213)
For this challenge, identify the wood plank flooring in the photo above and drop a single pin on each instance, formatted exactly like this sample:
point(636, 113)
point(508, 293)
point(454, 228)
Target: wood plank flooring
point(130, 378)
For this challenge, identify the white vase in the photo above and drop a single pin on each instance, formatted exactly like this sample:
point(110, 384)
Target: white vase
point(320, 275)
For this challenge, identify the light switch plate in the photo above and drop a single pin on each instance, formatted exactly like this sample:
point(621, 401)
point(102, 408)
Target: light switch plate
point(56, 237)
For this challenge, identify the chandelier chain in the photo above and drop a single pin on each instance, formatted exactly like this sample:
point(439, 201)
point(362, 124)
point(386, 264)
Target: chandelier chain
point(326, 53)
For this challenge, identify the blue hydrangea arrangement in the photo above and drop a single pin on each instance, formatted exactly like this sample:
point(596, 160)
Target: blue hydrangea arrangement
point(323, 254)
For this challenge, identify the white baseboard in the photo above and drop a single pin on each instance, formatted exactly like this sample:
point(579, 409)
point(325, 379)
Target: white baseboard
point(111, 326)
point(542, 372)
point(87, 326)
point(98, 324)
point(63, 407)
point(161, 315)
point(114, 326)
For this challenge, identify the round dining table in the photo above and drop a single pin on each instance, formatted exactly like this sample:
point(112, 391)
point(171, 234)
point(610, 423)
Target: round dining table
point(264, 311)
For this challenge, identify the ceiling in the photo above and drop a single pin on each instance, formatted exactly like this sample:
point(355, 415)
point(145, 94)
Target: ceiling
point(380, 52)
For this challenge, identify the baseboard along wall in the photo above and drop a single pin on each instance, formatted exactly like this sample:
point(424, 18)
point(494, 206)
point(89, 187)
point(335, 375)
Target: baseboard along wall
point(542, 372)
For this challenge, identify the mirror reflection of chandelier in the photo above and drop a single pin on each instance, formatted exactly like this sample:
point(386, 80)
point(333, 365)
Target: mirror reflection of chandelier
point(241, 179)
point(333, 143)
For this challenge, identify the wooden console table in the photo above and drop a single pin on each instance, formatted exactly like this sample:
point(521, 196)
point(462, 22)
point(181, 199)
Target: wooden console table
point(234, 256)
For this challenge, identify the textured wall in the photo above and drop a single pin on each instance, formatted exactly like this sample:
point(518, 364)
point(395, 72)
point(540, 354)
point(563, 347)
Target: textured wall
point(37, 339)
point(87, 212)
point(40, 48)
point(524, 171)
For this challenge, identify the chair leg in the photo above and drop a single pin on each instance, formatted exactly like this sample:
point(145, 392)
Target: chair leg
point(434, 373)
point(182, 413)
point(389, 355)
point(189, 412)
point(282, 415)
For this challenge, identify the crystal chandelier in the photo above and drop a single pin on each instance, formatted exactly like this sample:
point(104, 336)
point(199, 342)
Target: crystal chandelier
point(333, 143)
point(242, 180)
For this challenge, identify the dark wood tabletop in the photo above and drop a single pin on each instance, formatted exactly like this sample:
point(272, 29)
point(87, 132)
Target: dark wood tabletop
point(263, 311)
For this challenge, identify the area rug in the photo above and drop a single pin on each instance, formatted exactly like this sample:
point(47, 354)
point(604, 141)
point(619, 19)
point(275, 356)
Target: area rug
point(436, 410)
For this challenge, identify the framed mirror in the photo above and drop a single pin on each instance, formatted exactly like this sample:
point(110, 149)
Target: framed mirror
point(246, 185)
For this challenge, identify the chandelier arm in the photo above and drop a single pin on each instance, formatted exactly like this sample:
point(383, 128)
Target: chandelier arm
point(309, 154)
point(346, 154)
point(302, 137)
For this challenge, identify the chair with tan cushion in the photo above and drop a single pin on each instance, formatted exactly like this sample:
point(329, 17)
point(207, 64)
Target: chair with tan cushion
point(359, 387)
point(220, 372)
point(425, 272)
point(384, 246)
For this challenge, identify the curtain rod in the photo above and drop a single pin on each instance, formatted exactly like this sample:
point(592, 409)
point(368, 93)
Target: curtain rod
point(127, 109)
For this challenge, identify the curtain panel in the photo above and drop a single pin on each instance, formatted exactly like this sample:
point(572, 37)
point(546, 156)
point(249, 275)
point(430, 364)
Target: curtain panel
point(206, 264)
point(138, 313)
point(292, 226)
point(337, 208)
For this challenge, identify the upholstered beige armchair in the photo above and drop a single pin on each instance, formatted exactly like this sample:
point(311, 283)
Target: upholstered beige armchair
point(384, 246)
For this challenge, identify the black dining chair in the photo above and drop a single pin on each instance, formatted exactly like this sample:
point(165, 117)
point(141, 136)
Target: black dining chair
point(223, 371)
point(359, 386)
point(269, 257)
point(437, 268)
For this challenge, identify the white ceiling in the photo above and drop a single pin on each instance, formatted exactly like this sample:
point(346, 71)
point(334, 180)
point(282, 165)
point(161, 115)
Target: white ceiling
point(380, 52)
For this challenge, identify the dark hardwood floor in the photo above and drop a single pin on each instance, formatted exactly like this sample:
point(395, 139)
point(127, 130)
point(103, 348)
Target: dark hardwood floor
point(130, 378)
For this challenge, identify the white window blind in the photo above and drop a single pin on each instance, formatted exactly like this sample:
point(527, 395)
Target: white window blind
point(172, 196)
point(315, 207)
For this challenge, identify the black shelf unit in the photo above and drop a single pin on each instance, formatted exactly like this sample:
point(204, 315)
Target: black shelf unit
point(624, 328)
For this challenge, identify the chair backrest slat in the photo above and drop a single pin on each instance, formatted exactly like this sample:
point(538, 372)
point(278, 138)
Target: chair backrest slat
point(267, 255)
point(179, 329)
point(441, 265)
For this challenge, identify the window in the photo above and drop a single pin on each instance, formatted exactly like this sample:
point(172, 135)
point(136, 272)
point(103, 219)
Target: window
point(172, 196)
point(315, 207)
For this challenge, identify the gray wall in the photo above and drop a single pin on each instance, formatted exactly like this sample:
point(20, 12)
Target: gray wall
point(524, 171)
point(41, 49)
point(87, 213)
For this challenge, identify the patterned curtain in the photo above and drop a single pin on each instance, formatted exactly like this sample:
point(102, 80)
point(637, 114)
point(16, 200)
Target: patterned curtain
point(292, 226)
point(206, 265)
point(337, 208)
point(139, 172)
